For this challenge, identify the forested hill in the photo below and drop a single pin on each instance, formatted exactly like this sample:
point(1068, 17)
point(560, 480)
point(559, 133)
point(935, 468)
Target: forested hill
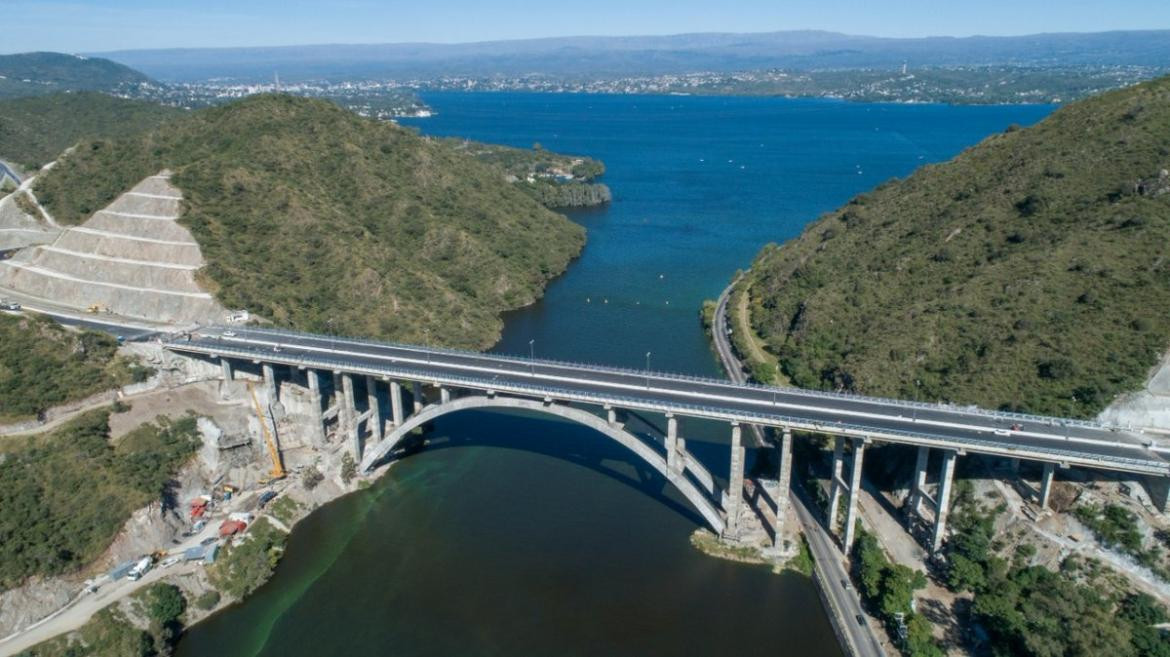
point(37, 129)
point(1030, 272)
point(318, 219)
point(35, 73)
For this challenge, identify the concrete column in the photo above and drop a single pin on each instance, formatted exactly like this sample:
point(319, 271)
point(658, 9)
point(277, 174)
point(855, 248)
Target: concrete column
point(785, 479)
point(835, 482)
point(943, 499)
point(610, 415)
point(918, 485)
point(444, 394)
point(314, 378)
point(225, 367)
point(416, 392)
point(375, 423)
point(349, 416)
point(270, 382)
point(1046, 484)
point(854, 492)
point(735, 482)
point(396, 402)
point(671, 443)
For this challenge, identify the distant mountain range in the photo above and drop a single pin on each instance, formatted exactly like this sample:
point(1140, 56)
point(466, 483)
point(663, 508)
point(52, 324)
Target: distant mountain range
point(35, 73)
point(649, 55)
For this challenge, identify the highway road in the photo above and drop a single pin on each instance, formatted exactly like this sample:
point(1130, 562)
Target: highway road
point(832, 573)
point(969, 429)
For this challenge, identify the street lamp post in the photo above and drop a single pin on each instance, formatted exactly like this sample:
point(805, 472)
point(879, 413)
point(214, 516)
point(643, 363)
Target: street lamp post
point(647, 370)
point(532, 356)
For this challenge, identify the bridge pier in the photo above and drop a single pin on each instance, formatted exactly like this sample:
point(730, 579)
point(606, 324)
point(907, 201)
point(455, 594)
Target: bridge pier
point(918, 484)
point(854, 493)
point(611, 415)
point(672, 443)
point(270, 384)
point(396, 403)
point(416, 393)
point(225, 367)
point(349, 420)
point(1046, 484)
point(375, 408)
point(785, 480)
point(444, 395)
point(314, 380)
point(835, 482)
point(943, 498)
point(735, 482)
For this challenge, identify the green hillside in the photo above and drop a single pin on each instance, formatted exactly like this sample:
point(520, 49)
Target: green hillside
point(36, 73)
point(67, 494)
point(37, 129)
point(1030, 272)
point(83, 363)
point(318, 219)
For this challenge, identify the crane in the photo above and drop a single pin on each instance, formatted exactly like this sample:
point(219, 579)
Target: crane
point(277, 467)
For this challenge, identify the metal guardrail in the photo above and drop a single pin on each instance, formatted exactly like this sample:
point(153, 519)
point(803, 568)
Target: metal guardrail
point(671, 376)
point(700, 410)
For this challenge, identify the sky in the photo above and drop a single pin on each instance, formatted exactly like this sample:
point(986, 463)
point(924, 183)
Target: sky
point(102, 25)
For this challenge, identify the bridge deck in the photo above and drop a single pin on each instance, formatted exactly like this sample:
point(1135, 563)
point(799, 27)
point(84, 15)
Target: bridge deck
point(1066, 441)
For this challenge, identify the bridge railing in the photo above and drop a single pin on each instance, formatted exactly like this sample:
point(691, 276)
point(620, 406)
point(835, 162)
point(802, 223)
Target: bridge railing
point(671, 376)
point(684, 408)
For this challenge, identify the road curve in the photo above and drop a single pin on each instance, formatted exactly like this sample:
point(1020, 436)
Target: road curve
point(832, 575)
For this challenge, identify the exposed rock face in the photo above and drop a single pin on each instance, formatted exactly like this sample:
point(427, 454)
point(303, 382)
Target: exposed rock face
point(1156, 186)
point(131, 258)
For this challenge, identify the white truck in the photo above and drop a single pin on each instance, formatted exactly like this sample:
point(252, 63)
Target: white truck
point(140, 568)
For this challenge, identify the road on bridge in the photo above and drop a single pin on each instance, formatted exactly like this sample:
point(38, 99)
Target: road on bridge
point(1057, 440)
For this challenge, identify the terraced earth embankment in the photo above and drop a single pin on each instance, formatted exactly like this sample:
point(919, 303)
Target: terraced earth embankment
point(131, 258)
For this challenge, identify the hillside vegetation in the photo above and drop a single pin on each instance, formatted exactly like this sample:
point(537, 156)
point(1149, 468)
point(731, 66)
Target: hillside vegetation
point(1028, 273)
point(36, 130)
point(36, 73)
point(82, 363)
point(321, 220)
point(66, 496)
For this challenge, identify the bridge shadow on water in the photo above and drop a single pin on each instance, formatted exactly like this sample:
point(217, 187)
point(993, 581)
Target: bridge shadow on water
point(554, 438)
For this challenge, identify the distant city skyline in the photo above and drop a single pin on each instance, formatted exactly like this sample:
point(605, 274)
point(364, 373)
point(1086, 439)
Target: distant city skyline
point(104, 25)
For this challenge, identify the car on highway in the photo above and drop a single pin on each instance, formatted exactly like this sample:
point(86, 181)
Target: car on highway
point(229, 334)
point(5, 304)
point(860, 619)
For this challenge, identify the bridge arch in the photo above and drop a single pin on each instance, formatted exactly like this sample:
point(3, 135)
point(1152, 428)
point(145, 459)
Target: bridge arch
point(628, 440)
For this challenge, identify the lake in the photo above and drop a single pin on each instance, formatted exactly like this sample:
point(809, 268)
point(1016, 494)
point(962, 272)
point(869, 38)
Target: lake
point(517, 535)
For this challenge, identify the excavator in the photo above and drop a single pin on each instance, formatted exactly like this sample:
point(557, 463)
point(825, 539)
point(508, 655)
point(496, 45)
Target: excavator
point(277, 467)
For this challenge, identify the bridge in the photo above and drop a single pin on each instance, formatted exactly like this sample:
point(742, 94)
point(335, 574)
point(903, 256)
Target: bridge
point(597, 396)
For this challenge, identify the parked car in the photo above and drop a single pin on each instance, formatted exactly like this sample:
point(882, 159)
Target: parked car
point(9, 305)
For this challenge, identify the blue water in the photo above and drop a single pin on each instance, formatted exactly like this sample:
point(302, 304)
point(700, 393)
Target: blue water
point(514, 535)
